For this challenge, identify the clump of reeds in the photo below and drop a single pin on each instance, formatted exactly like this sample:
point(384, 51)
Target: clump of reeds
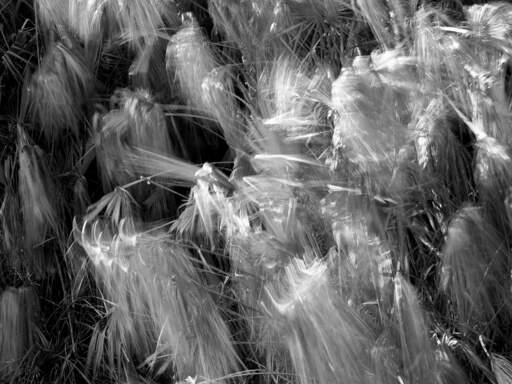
point(19, 317)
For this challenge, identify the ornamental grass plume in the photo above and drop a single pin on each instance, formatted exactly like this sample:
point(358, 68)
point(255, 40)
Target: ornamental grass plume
point(293, 107)
point(218, 217)
point(417, 360)
point(377, 16)
point(366, 96)
point(128, 337)
point(141, 21)
point(206, 84)
point(245, 214)
point(19, 318)
point(39, 207)
point(85, 19)
point(363, 261)
point(470, 73)
point(135, 121)
point(390, 22)
point(491, 22)
point(58, 92)
point(81, 198)
point(446, 154)
point(162, 314)
point(493, 176)
point(405, 349)
point(502, 368)
point(207, 211)
point(474, 273)
point(137, 23)
point(254, 27)
point(261, 243)
point(189, 59)
point(321, 31)
point(433, 49)
point(326, 340)
point(445, 59)
point(12, 228)
point(148, 70)
point(52, 15)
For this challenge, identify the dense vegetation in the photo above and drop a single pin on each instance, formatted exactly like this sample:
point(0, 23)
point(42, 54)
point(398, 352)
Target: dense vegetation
point(255, 191)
